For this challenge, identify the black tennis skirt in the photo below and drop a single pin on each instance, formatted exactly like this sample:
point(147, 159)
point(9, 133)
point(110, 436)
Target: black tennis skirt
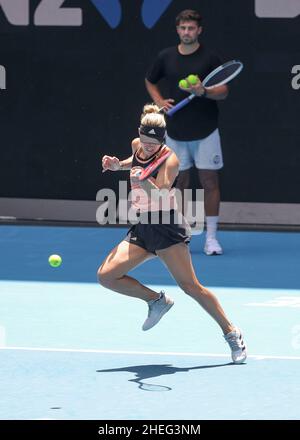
point(165, 230)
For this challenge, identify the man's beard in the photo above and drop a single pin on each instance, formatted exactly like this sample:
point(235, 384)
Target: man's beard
point(189, 41)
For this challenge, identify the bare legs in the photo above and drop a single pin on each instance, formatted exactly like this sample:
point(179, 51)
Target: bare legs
point(122, 259)
point(126, 256)
point(178, 260)
point(210, 183)
point(209, 180)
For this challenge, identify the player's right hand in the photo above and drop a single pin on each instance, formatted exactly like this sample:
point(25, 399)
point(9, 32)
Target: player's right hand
point(165, 104)
point(111, 163)
point(135, 173)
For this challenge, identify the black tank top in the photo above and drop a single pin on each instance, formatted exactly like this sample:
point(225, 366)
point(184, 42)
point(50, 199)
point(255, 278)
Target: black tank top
point(144, 163)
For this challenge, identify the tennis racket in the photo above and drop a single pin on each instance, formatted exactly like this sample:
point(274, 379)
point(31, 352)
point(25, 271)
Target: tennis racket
point(150, 169)
point(219, 76)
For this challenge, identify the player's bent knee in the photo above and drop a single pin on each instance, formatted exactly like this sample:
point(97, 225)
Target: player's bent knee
point(105, 277)
point(188, 287)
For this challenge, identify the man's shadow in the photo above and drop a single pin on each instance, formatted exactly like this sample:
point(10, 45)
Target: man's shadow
point(143, 372)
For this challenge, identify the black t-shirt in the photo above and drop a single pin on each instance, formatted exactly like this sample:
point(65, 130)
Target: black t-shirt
point(199, 118)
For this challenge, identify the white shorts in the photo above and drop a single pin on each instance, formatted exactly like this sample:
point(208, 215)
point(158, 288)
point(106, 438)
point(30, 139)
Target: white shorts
point(204, 154)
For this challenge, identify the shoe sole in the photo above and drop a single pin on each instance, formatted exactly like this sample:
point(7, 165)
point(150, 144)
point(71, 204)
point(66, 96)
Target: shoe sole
point(242, 360)
point(213, 253)
point(162, 313)
point(239, 362)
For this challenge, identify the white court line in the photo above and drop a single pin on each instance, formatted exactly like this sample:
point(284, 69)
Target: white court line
point(146, 353)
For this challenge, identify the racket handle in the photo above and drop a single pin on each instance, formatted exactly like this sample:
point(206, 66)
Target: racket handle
point(180, 104)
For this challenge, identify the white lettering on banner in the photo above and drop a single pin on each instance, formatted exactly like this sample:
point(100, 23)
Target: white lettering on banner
point(2, 78)
point(51, 12)
point(48, 13)
point(277, 8)
point(296, 79)
point(16, 11)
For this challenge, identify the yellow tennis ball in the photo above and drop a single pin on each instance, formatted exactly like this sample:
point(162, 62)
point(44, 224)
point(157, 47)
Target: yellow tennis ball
point(55, 260)
point(192, 79)
point(184, 84)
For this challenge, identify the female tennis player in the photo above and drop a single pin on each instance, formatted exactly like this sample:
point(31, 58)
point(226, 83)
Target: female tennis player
point(167, 237)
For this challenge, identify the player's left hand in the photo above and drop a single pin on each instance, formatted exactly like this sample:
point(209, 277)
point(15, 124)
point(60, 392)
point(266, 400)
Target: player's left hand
point(198, 89)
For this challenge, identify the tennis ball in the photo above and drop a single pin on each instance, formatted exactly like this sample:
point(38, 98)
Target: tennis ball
point(55, 260)
point(184, 84)
point(192, 79)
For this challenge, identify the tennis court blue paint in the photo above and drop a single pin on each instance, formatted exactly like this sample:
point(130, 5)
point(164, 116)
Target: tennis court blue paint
point(251, 259)
point(256, 281)
point(87, 316)
point(200, 388)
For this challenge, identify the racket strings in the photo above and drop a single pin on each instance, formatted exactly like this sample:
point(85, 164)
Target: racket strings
point(223, 75)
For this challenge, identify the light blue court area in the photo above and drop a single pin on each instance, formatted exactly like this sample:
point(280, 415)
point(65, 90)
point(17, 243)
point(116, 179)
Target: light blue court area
point(74, 350)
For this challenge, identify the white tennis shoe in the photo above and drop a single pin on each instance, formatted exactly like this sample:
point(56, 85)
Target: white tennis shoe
point(212, 247)
point(237, 346)
point(157, 309)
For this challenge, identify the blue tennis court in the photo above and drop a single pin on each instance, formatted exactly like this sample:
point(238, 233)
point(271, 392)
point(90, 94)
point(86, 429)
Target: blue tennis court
point(71, 349)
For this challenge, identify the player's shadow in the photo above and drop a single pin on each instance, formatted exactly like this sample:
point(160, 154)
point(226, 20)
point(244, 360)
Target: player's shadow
point(143, 372)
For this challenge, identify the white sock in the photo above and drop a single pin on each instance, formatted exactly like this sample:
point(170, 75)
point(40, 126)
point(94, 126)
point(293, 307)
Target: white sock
point(211, 226)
